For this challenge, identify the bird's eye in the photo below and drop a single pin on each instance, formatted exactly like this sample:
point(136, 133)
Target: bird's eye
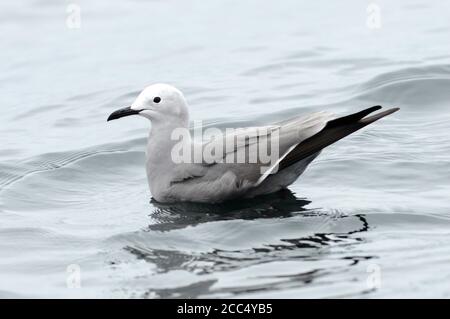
point(157, 99)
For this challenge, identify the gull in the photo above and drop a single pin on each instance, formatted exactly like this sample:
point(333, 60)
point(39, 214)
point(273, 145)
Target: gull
point(225, 174)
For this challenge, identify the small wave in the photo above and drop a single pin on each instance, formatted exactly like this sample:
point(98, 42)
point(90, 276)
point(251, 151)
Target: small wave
point(38, 110)
point(45, 236)
point(13, 172)
point(420, 86)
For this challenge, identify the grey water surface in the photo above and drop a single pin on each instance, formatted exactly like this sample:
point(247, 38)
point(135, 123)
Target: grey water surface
point(369, 218)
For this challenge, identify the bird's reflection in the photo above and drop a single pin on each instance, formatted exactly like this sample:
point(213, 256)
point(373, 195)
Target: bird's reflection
point(283, 204)
point(318, 228)
point(278, 205)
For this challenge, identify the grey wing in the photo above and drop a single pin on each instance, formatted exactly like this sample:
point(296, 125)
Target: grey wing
point(247, 160)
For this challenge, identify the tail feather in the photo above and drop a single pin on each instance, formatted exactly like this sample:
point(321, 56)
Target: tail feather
point(332, 132)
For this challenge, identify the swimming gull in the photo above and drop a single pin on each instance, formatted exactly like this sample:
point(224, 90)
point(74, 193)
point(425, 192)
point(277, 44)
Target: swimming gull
point(237, 163)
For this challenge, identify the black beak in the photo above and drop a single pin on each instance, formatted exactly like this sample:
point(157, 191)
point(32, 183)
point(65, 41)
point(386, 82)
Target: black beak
point(126, 111)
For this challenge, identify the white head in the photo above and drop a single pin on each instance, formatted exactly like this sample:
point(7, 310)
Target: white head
point(158, 103)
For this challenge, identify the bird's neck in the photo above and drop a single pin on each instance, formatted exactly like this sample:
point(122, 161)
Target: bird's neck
point(162, 133)
point(162, 139)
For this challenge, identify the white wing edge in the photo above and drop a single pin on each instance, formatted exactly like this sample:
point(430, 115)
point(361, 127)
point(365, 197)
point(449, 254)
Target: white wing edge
point(271, 169)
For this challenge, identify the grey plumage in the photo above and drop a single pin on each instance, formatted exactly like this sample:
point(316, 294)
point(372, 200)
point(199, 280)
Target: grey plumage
point(298, 141)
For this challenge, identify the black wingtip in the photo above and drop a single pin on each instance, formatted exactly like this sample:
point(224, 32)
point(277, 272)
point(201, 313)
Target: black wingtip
point(352, 118)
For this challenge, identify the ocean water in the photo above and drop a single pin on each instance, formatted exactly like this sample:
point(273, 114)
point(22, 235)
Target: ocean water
point(370, 218)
